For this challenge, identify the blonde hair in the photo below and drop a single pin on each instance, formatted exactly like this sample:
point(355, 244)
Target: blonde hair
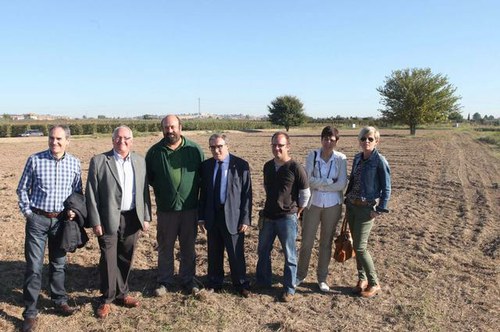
point(369, 130)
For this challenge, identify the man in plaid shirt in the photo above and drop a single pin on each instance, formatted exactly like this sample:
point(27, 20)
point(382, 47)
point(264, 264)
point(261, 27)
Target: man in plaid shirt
point(49, 177)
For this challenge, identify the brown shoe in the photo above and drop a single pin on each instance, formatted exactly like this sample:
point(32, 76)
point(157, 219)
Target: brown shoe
point(286, 297)
point(128, 301)
point(29, 324)
point(360, 286)
point(103, 310)
point(371, 291)
point(65, 310)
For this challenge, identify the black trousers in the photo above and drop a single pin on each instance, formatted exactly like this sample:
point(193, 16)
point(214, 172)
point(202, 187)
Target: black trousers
point(219, 238)
point(117, 252)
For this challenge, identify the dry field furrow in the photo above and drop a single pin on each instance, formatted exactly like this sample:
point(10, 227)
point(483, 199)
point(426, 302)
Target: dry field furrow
point(436, 253)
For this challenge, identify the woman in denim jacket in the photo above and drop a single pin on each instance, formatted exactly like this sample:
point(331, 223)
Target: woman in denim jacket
point(367, 196)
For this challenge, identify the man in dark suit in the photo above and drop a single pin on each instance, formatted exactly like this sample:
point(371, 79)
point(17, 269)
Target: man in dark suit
point(225, 211)
point(118, 206)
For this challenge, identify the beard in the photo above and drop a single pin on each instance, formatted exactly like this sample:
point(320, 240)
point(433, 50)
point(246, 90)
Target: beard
point(172, 138)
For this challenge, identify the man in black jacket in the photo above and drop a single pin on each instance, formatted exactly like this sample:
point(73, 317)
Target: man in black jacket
point(225, 212)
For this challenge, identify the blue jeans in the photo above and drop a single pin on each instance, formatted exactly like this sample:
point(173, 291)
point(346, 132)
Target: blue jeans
point(286, 230)
point(39, 229)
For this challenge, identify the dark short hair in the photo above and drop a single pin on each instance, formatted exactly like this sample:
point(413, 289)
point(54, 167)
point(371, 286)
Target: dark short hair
point(67, 131)
point(328, 131)
point(176, 116)
point(281, 133)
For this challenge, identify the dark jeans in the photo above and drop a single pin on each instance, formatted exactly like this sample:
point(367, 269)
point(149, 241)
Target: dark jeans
point(39, 229)
point(173, 225)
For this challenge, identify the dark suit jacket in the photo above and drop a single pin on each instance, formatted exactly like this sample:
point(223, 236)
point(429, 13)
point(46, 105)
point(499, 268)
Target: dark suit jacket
point(104, 193)
point(238, 205)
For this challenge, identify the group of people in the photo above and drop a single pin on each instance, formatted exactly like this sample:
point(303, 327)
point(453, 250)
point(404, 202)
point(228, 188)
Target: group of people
point(193, 194)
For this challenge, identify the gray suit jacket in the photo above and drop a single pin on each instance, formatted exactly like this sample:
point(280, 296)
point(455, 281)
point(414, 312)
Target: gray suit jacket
point(238, 206)
point(104, 193)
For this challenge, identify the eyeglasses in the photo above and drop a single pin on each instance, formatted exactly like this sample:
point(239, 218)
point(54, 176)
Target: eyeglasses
point(215, 147)
point(278, 145)
point(370, 139)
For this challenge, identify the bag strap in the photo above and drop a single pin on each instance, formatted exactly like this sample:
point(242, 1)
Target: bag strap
point(314, 162)
point(345, 224)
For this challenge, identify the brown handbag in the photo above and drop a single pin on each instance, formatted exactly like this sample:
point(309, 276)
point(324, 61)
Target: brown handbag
point(343, 244)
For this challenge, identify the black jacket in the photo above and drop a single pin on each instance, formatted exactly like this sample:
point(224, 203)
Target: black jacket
point(73, 234)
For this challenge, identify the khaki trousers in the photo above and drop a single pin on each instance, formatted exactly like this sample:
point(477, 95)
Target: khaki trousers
point(313, 217)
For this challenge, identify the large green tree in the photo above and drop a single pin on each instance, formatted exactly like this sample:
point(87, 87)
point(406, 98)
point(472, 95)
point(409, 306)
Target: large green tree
point(287, 111)
point(417, 96)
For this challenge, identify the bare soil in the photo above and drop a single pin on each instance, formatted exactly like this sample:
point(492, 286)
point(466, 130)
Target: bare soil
point(436, 253)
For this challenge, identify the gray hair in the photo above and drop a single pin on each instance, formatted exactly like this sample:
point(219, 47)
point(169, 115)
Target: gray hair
point(67, 131)
point(115, 132)
point(217, 135)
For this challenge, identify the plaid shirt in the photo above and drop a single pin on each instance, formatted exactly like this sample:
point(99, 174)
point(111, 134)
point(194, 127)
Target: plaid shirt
point(47, 182)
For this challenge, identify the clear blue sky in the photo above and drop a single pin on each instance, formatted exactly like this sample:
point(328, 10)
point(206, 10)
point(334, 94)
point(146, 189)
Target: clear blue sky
point(128, 58)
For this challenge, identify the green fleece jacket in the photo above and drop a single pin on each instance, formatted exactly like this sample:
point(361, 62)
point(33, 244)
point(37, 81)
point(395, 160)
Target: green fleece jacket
point(166, 167)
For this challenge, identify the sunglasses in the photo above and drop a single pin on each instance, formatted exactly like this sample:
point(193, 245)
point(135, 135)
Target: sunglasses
point(370, 139)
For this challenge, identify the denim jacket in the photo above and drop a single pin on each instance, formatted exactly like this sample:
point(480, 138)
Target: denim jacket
point(375, 179)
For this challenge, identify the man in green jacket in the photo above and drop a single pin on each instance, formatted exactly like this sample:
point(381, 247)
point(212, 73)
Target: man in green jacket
point(173, 172)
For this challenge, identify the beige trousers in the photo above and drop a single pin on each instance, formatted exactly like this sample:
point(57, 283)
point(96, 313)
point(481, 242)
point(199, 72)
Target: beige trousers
point(313, 217)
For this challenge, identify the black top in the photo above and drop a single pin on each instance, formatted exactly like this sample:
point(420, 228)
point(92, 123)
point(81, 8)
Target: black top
point(282, 188)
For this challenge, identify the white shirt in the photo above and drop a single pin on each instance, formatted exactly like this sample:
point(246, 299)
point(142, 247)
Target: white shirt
point(328, 179)
point(126, 175)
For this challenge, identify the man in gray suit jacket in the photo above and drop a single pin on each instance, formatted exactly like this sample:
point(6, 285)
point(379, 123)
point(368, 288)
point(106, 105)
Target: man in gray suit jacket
point(118, 206)
point(225, 211)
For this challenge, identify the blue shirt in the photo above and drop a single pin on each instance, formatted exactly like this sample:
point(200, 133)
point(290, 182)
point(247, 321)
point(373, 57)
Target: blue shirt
point(47, 182)
point(223, 180)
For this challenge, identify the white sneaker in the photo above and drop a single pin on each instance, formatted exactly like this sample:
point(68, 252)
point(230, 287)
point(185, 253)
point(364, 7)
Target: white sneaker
point(299, 281)
point(161, 291)
point(323, 287)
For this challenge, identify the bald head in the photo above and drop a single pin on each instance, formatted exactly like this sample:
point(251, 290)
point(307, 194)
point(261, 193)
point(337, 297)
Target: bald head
point(172, 130)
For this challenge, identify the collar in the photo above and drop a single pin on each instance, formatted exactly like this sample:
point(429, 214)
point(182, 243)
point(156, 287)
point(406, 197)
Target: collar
point(318, 156)
point(53, 157)
point(225, 161)
point(119, 157)
point(183, 142)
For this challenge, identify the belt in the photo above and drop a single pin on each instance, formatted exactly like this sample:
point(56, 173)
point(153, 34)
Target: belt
point(45, 213)
point(127, 211)
point(360, 202)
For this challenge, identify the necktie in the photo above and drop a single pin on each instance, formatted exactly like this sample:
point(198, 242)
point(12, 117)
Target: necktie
point(217, 185)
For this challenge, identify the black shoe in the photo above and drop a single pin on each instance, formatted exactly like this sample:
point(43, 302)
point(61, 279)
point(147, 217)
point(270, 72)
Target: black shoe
point(213, 289)
point(245, 293)
point(29, 324)
point(192, 288)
